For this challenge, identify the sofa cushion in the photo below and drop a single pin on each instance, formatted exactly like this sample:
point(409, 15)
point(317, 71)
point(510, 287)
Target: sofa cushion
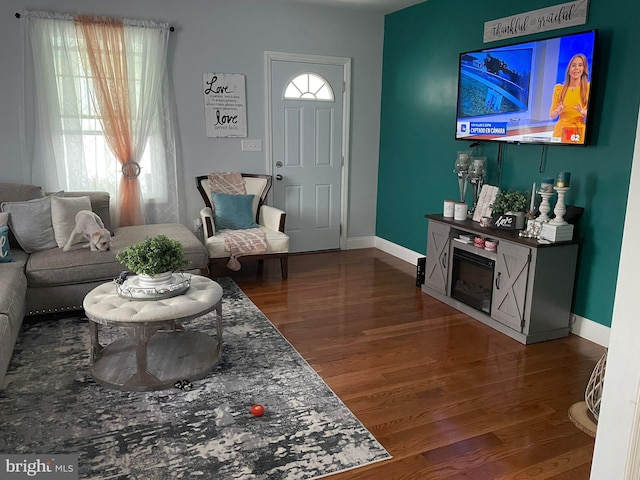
point(63, 217)
point(6, 346)
point(55, 267)
point(13, 286)
point(30, 222)
point(5, 250)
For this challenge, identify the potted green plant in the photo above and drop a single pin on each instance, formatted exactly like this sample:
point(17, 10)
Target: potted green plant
point(510, 202)
point(156, 257)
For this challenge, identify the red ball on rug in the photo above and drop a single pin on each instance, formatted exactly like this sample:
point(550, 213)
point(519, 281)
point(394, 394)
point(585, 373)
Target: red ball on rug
point(257, 410)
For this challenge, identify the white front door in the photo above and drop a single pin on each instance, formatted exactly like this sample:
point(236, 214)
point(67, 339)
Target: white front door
point(307, 151)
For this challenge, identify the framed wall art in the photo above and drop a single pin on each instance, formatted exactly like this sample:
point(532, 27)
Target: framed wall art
point(225, 105)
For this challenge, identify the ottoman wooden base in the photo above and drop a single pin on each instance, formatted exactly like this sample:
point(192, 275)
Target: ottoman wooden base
point(171, 356)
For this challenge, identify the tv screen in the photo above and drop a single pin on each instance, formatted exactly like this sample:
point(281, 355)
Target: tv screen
point(532, 92)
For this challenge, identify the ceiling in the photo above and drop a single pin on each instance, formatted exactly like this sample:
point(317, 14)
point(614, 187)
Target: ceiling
point(383, 6)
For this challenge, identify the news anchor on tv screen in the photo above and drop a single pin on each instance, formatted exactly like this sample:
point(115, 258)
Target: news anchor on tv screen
point(570, 101)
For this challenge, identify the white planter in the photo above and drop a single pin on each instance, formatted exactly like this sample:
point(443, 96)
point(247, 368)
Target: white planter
point(156, 281)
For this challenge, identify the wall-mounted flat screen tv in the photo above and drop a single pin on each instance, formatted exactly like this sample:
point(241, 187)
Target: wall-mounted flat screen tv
point(533, 92)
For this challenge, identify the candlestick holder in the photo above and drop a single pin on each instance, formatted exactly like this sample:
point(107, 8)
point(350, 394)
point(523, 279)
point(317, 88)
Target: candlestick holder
point(545, 206)
point(477, 173)
point(560, 208)
point(462, 185)
point(463, 161)
point(476, 183)
point(557, 229)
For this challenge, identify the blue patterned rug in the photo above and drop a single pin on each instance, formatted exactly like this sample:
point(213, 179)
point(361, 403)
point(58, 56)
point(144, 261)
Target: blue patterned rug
point(51, 404)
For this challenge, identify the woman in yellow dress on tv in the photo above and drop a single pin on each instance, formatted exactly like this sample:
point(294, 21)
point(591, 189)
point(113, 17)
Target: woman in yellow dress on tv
point(570, 101)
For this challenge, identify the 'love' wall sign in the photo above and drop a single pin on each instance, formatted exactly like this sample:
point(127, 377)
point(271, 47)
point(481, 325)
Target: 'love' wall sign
point(225, 105)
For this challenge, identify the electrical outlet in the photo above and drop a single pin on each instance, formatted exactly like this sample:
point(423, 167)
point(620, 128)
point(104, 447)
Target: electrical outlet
point(251, 145)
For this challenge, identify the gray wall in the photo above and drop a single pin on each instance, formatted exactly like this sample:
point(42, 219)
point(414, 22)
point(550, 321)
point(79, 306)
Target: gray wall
point(227, 36)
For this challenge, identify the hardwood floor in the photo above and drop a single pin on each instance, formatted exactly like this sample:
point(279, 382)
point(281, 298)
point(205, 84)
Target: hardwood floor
point(447, 396)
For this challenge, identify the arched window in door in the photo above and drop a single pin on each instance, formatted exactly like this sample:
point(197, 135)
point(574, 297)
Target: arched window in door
point(308, 86)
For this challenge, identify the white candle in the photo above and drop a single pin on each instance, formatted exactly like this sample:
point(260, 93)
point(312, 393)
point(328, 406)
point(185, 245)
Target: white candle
point(533, 197)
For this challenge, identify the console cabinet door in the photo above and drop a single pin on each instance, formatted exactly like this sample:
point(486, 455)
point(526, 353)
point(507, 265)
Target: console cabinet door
point(510, 285)
point(437, 263)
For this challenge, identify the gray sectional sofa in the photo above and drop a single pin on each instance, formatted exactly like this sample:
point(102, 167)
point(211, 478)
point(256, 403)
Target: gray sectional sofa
point(52, 280)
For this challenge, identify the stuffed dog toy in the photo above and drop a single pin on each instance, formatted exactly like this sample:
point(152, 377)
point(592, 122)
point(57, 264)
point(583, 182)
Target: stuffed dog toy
point(90, 226)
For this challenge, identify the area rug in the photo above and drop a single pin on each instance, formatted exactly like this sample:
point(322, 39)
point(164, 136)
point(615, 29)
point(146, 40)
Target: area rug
point(51, 404)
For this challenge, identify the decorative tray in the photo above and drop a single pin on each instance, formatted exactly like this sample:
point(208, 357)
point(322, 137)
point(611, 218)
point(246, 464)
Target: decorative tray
point(131, 288)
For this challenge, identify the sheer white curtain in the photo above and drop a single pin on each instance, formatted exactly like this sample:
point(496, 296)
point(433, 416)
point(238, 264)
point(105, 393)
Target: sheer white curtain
point(63, 136)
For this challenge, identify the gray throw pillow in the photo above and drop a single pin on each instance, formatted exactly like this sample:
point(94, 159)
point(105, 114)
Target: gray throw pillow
point(30, 222)
point(63, 217)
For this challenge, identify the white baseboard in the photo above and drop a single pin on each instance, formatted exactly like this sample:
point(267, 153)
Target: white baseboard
point(590, 330)
point(355, 243)
point(397, 251)
point(582, 327)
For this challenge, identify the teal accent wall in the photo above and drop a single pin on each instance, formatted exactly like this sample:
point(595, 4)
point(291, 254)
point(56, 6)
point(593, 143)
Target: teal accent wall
point(417, 147)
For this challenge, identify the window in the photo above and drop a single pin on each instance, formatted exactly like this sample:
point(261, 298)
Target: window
point(308, 86)
point(90, 163)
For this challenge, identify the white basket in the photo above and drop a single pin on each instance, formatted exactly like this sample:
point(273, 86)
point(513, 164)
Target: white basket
point(593, 393)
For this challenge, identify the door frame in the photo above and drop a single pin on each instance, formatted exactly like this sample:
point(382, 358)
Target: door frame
point(345, 63)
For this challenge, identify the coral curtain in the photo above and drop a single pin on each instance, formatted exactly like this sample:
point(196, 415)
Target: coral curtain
point(106, 60)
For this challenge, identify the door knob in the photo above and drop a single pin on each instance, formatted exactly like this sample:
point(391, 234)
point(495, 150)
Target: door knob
point(278, 164)
point(278, 177)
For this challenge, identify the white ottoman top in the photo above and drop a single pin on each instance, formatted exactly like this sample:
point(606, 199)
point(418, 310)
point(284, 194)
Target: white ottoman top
point(104, 305)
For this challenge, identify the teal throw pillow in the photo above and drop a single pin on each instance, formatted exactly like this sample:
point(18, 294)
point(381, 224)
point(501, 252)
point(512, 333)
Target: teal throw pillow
point(233, 212)
point(5, 251)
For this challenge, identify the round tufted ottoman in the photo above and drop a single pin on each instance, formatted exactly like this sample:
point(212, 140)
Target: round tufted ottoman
point(156, 351)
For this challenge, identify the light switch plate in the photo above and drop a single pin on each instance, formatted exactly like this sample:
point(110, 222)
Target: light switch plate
point(251, 145)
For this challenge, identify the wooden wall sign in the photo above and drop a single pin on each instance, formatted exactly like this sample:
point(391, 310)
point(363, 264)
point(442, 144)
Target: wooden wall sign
point(225, 105)
point(536, 21)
